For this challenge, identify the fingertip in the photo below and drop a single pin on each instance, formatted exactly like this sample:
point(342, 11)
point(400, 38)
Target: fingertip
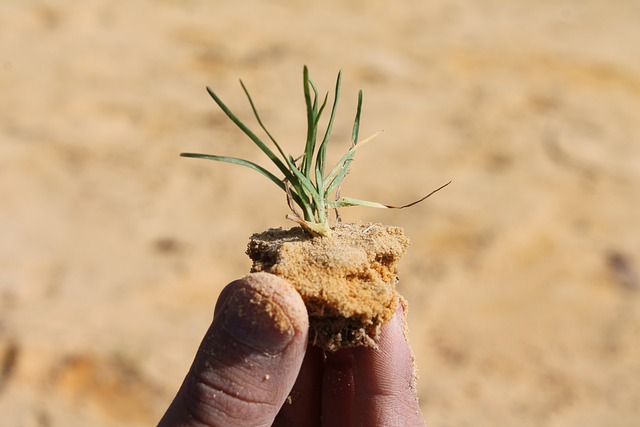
point(250, 356)
point(271, 286)
point(282, 293)
point(264, 312)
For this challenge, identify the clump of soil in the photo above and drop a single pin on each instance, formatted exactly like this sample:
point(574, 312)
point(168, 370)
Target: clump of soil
point(347, 281)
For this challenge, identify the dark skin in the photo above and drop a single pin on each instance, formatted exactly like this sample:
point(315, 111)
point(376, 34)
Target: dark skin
point(256, 368)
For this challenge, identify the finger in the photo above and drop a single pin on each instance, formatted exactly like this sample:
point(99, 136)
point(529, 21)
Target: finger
point(249, 358)
point(385, 379)
point(364, 386)
point(338, 388)
point(302, 407)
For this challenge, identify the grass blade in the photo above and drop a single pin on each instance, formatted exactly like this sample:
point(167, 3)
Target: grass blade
point(309, 147)
point(356, 122)
point(349, 201)
point(322, 150)
point(342, 167)
point(345, 202)
point(250, 134)
point(339, 171)
point(302, 180)
point(354, 135)
point(251, 165)
point(255, 113)
point(237, 161)
point(408, 205)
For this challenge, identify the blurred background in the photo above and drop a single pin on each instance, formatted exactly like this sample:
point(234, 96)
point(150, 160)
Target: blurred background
point(523, 276)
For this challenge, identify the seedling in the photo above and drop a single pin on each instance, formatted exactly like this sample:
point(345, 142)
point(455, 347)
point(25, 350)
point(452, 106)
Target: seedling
point(348, 281)
point(311, 191)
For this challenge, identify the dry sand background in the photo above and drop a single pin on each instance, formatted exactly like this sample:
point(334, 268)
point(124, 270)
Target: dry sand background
point(523, 275)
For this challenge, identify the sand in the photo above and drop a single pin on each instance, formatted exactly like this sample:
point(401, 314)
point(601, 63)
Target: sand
point(347, 280)
point(523, 274)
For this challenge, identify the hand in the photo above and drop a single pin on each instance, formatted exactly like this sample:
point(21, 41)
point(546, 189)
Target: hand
point(254, 368)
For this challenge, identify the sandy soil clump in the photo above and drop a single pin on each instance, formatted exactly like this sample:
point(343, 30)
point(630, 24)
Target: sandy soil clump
point(347, 281)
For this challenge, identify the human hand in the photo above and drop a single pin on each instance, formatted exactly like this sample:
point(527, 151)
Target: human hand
point(255, 368)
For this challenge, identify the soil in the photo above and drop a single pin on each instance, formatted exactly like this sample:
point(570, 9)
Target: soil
point(347, 281)
point(523, 275)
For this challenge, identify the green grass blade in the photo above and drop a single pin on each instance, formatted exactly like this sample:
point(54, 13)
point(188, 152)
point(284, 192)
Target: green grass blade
point(340, 170)
point(320, 202)
point(356, 122)
point(250, 165)
point(318, 113)
point(250, 134)
point(305, 189)
point(354, 137)
point(303, 181)
point(321, 155)
point(310, 143)
point(255, 113)
point(237, 161)
point(322, 150)
point(315, 97)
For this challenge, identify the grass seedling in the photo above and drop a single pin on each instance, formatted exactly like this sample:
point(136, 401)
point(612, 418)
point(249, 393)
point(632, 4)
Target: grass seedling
point(311, 188)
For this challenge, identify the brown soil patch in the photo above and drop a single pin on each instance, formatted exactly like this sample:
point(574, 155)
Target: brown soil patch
point(523, 276)
point(347, 281)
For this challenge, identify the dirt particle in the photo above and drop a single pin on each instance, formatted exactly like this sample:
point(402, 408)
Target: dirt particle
point(8, 361)
point(623, 269)
point(166, 245)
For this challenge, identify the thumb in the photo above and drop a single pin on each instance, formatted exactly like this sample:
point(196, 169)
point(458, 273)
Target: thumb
point(249, 358)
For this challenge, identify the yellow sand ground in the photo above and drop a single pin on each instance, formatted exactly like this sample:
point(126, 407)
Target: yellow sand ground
point(523, 277)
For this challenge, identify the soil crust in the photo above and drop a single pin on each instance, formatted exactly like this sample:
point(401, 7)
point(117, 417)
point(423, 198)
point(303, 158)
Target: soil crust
point(347, 281)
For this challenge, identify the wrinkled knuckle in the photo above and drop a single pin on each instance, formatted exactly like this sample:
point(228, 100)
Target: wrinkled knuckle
point(217, 403)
